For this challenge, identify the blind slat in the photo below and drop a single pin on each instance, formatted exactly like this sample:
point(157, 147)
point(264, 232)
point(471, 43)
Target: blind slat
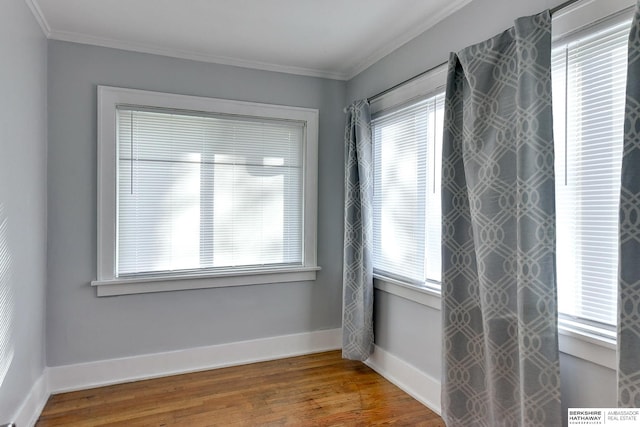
point(202, 192)
point(406, 204)
point(591, 75)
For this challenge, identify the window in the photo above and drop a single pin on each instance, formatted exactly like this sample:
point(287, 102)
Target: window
point(589, 78)
point(209, 191)
point(407, 155)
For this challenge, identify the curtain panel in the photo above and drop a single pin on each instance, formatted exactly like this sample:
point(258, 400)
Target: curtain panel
point(500, 344)
point(357, 309)
point(629, 234)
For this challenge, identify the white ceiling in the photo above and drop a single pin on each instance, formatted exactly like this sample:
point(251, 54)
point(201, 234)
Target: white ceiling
point(324, 38)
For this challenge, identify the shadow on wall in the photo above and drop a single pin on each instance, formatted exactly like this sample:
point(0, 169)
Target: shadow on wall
point(6, 299)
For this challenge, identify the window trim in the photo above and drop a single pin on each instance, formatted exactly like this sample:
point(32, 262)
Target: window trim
point(411, 92)
point(428, 110)
point(575, 21)
point(580, 16)
point(429, 297)
point(577, 343)
point(106, 283)
point(574, 342)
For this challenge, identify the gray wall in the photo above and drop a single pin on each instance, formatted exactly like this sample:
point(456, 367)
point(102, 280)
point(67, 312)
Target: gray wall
point(22, 204)
point(407, 329)
point(82, 327)
point(475, 22)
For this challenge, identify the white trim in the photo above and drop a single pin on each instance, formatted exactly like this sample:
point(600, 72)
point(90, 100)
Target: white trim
point(193, 55)
point(148, 98)
point(427, 297)
point(452, 7)
point(408, 378)
point(426, 389)
point(108, 99)
point(593, 348)
point(584, 14)
point(428, 84)
point(82, 376)
point(115, 371)
point(176, 283)
point(33, 404)
point(597, 350)
point(571, 24)
point(415, 89)
point(40, 18)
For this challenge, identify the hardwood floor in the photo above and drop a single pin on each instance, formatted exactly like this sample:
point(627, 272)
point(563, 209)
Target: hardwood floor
point(314, 390)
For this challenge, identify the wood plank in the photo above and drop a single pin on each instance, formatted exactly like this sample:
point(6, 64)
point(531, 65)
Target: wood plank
point(314, 390)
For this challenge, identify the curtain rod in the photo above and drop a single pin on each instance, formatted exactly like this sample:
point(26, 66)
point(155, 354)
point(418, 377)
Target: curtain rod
point(402, 83)
point(417, 76)
point(561, 6)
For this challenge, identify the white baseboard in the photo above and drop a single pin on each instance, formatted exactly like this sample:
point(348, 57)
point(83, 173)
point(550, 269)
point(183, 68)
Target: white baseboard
point(81, 376)
point(410, 379)
point(113, 371)
point(33, 404)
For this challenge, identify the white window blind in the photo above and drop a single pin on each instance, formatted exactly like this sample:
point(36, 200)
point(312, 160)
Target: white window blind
point(589, 77)
point(200, 191)
point(407, 151)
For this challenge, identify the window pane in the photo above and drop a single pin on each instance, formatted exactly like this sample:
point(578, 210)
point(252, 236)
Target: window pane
point(407, 150)
point(589, 77)
point(198, 192)
point(434, 193)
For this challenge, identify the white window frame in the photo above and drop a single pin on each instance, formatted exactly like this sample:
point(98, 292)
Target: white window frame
point(575, 338)
point(412, 91)
point(107, 283)
point(574, 341)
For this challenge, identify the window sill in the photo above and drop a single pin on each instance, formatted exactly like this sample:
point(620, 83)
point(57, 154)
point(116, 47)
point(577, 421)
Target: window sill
point(141, 285)
point(422, 295)
point(593, 348)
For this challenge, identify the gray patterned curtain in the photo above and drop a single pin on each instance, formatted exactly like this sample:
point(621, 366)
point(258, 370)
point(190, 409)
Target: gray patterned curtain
point(629, 267)
point(500, 344)
point(357, 309)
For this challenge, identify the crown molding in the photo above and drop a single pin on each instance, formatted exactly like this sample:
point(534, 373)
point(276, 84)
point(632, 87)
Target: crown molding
point(332, 74)
point(192, 55)
point(396, 43)
point(37, 13)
